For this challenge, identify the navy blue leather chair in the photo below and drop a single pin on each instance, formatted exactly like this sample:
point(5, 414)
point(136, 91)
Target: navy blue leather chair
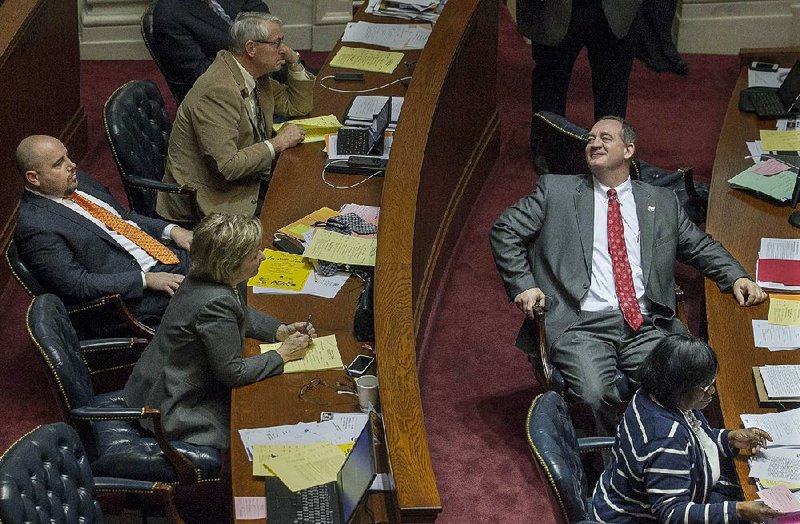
point(138, 128)
point(116, 443)
point(105, 316)
point(45, 477)
point(557, 450)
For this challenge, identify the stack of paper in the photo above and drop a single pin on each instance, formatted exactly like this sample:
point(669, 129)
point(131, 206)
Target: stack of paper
point(779, 461)
point(781, 381)
point(778, 265)
point(393, 36)
point(287, 274)
point(427, 10)
point(766, 179)
point(363, 109)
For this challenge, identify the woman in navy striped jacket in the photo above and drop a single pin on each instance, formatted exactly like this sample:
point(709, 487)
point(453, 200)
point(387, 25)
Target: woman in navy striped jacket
point(665, 463)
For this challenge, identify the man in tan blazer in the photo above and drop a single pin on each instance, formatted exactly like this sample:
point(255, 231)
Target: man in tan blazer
point(222, 142)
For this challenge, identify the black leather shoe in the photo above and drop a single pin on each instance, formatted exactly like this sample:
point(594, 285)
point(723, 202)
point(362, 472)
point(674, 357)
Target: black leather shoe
point(679, 68)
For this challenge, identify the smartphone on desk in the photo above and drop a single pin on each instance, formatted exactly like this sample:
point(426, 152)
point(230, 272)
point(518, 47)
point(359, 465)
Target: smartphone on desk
point(360, 365)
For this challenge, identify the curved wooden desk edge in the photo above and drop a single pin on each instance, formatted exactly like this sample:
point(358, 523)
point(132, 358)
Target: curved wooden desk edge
point(415, 232)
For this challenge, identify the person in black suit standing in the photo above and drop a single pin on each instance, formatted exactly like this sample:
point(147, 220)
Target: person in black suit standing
point(78, 256)
point(559, 30)
point(188, 34)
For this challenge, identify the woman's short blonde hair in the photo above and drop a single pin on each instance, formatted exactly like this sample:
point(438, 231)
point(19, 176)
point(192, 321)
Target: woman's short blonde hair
point(220, 245)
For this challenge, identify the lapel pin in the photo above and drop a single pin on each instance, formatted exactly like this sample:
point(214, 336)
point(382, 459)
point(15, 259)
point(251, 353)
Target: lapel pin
point(651, 208)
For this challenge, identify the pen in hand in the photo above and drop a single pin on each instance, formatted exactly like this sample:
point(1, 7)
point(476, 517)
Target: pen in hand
point(308, 327)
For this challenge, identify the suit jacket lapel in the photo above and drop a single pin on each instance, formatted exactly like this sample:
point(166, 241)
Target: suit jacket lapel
point(584, 214)
point(233, 65)
point(72, 216)
point(646, 213)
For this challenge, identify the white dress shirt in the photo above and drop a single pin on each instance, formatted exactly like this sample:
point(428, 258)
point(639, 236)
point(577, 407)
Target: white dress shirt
point(602, 294)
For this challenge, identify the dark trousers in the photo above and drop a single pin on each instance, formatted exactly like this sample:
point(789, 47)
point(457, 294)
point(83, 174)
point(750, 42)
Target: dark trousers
point(590, 352)
point(610, 59)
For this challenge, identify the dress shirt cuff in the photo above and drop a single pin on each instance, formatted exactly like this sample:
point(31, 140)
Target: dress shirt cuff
point(300, 74)
point(167, 233)
point(271, 148)
point(144, 281)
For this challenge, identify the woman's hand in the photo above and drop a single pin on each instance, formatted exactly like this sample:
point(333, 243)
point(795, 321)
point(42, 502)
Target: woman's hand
point(752, 439)
point(294, 347)
point(285, 330)
point(755, 511)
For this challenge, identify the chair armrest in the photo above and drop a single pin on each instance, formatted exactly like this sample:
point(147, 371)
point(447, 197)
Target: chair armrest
point(116, 306)
point(544, 368)
point(110, 344)
point(162, 491)
point(592, 444)
point(164, 187)
point(184, 468)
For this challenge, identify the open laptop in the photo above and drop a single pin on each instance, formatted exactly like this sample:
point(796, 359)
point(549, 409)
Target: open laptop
point(781, 102)
point(331, 503)
point(365, 141)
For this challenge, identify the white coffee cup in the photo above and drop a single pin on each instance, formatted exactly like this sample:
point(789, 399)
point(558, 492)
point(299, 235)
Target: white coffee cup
point(367, 389)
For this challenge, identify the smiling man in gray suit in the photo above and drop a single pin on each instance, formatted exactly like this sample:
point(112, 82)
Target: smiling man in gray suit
point(588, 242)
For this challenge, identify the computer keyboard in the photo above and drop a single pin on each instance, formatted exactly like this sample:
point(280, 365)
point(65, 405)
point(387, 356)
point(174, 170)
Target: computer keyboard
point(314, 506)
point(767, 103)
point(352, 141)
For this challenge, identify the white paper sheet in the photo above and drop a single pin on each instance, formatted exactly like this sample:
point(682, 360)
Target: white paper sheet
point(781, 381)
point(776, 338)
point(784, 427)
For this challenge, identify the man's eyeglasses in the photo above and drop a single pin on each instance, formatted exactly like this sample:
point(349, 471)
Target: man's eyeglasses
point(274, 43)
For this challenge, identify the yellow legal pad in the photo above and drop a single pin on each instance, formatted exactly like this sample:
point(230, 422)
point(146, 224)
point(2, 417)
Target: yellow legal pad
point(324, 354)
point(299, 466)
point(366, 59)
point(342, 249)
point(315, 127)
point(260, 451)
point(784, 310)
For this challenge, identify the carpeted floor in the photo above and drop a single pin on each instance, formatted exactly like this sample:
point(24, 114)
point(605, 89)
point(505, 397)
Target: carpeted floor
point(476, 385)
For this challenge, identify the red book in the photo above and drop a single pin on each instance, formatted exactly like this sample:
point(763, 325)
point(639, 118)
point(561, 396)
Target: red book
point(781, 271)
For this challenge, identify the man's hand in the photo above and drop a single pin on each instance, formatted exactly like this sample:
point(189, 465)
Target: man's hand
point(748, 293)
point(166, 282)
point(529, 298)
point(294, 347)
point(290, 55)
point(289, 136)
point(181, 237)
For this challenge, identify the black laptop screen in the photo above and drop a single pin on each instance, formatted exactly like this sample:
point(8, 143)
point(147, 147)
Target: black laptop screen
point(380, 123)
point(790, 88)
point(357, 473)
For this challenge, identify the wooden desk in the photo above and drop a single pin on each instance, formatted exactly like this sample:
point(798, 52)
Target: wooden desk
point(739, 220)
point(446, 142)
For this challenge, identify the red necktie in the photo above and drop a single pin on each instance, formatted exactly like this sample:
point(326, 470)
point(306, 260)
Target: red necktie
point(150, 245)
point(623, 280)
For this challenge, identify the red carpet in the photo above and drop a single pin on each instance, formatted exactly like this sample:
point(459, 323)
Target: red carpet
point(476, 384)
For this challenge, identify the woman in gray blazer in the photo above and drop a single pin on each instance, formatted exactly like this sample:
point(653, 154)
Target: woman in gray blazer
point(195, 358)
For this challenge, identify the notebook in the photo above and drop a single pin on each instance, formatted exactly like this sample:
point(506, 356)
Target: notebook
point(331, 503)
point(781, 102)
point(365, 141)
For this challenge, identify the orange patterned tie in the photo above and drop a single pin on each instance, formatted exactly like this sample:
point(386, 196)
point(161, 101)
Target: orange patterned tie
point(152, 247)
point(623, 280)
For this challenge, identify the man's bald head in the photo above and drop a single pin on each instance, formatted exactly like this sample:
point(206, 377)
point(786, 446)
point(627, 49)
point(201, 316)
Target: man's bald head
point(29, 153)
point(45, 167)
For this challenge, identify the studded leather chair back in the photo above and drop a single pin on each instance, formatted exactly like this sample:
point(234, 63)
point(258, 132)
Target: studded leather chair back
point(138, 128)
point(178, 89)
point(22, 272)
point(554, 445)
point(45, 476)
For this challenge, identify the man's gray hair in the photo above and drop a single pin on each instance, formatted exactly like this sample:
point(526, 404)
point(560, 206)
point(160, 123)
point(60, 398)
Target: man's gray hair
point(628, 133)
point(249, 25)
